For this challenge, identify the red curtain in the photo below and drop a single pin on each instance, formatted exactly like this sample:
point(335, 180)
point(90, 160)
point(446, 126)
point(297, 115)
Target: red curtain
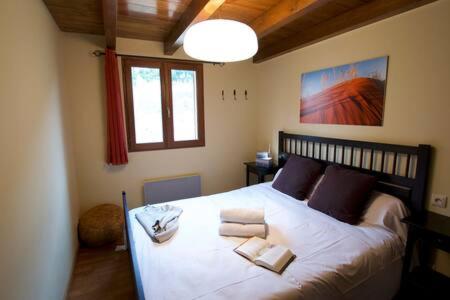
point(117, 153)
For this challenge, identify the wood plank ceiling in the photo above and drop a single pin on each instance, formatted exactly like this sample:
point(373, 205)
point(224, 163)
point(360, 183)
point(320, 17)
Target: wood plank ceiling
point(281, 25)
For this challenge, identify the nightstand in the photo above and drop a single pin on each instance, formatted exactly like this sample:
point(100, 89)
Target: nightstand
point(428, 230)
point(261, 172)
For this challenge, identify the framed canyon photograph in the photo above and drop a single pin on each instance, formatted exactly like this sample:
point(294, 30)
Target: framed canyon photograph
point(351, 94)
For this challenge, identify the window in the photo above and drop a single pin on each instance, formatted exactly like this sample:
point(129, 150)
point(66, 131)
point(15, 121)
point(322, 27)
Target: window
point(164, 104)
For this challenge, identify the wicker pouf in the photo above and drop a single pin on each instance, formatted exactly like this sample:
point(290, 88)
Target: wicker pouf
point(101, 225)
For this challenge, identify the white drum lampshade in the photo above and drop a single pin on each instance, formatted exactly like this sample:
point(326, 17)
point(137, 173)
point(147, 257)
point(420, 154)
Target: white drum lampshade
point(220, 40)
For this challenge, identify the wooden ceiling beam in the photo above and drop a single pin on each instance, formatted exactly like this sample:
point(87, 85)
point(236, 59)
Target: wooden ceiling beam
point(284, 13)
point(362, 15)
point(109, 9)
point(198, 10)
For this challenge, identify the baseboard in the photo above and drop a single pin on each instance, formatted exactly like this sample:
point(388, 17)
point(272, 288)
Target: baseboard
point(72, 269)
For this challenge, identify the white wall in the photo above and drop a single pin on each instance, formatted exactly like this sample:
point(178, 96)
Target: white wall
point(417, 105)
point(415, 112)
point(38, 208)
point(52, 98)
point(230, 127)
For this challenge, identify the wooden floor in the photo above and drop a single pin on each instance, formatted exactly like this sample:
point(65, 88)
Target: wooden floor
point(102, 273)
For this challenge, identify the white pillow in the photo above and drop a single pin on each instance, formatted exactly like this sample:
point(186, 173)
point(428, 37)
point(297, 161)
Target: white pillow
point(316, 184)
point(387, 211)
point(277, 174)
point(382, 209)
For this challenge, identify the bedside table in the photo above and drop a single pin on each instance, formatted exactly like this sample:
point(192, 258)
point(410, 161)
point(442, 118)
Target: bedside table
point(261, 172)
point(429, 230)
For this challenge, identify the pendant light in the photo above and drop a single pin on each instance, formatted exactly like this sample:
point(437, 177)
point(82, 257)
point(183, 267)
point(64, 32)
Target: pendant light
point(220, 40)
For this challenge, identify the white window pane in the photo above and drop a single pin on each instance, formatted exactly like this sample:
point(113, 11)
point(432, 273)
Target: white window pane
point(147, 105)
point(184, 104)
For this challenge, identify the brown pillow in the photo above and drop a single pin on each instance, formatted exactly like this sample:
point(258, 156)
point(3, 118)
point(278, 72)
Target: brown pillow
point(343, 194)
point(297, 177)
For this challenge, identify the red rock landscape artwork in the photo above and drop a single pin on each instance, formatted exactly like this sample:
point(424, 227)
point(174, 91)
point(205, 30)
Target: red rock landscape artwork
point(351, 94)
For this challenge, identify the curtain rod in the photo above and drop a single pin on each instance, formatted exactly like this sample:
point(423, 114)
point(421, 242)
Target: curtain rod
point(99, 53)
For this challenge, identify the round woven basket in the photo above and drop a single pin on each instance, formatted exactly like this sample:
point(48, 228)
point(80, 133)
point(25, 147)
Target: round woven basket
point(101, 225)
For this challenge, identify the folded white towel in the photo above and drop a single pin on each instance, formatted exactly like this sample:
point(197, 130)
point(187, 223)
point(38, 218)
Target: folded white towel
point(242, 215)
point(160, 222)
point(243, 230)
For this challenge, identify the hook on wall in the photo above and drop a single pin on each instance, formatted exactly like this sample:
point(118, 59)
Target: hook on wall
point(234, 94)
point(246, 95)
point(223, 95)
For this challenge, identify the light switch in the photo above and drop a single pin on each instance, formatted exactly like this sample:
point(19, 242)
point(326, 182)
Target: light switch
point(439, 200)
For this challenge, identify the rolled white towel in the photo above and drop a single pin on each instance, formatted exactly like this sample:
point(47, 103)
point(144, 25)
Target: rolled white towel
point(242, 215)
point(243, 230)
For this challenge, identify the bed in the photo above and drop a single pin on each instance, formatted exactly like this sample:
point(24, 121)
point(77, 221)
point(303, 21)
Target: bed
point(334, 260)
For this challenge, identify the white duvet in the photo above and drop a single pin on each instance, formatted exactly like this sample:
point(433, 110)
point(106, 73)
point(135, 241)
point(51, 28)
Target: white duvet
point(332, 257)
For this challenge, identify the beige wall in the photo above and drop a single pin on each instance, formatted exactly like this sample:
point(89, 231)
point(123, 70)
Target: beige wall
point(417, 107)
point(52, 98)
point(230, 128)
point(38, 208)
point(415, 112)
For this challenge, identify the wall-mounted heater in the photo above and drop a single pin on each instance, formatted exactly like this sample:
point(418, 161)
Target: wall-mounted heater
point(166, 189)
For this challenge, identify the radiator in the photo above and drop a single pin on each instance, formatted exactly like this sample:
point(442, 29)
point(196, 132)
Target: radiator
point(166, 189)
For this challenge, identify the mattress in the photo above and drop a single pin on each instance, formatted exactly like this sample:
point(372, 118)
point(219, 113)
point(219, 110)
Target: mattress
point(334, 260)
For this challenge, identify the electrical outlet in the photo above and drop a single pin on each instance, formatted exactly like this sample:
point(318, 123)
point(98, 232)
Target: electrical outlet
point(439, 200)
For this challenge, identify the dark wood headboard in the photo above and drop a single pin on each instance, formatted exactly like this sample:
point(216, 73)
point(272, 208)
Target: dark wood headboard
point(401, 171)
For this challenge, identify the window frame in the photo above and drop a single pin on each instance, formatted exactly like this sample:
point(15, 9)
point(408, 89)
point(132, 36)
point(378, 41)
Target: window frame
point(165, 66)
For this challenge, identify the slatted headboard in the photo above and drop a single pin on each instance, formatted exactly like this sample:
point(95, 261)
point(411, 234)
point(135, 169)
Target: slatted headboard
point(401, 171)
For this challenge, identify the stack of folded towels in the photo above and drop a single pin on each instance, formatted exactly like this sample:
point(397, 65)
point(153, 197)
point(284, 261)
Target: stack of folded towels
point(242, 222)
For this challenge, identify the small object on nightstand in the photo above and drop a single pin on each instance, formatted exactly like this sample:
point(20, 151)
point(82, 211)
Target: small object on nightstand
point(430, 230)
point(264, 159)
point(264, 162)
point(261, 172)
point(262, 154)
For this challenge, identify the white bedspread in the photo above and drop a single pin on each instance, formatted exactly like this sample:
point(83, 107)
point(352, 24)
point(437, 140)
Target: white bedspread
point(197, 263)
